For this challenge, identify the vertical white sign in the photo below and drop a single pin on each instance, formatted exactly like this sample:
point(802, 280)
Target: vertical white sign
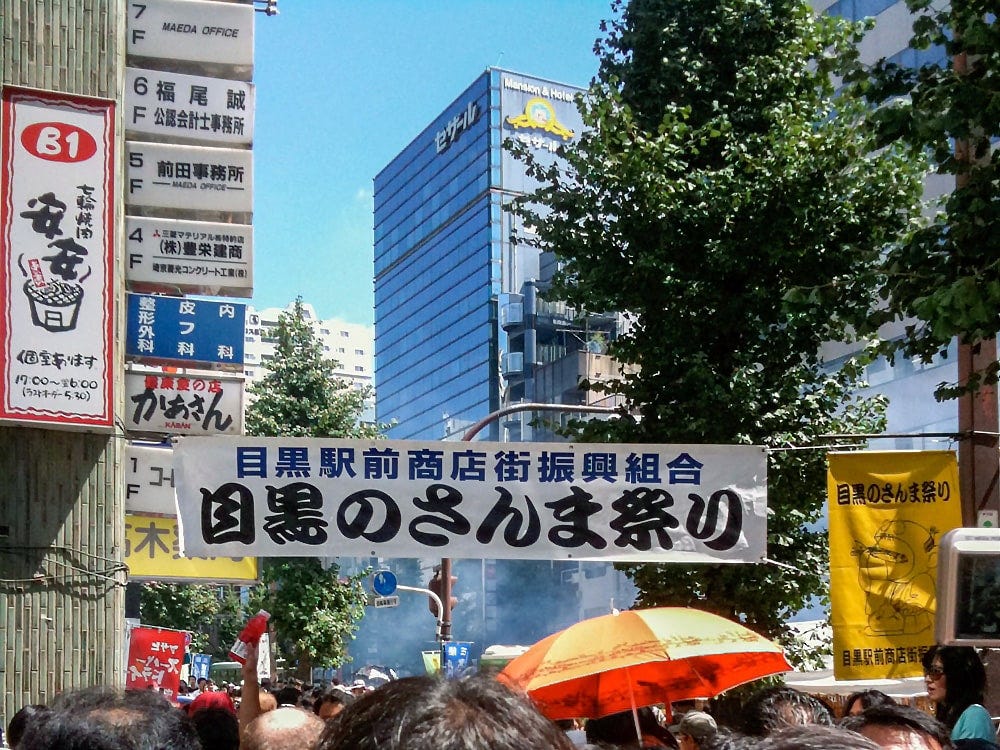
point(56, 251)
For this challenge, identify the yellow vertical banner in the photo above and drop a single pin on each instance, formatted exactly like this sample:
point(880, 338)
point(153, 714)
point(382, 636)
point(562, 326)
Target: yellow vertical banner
point(888, 512)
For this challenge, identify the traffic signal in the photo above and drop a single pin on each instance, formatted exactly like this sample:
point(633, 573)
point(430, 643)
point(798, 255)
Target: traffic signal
point(435, 586)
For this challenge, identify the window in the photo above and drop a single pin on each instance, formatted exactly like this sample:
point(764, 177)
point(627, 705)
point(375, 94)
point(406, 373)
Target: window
point(341, 350)
point(345, 334)
point(359, 351)
point(358, 368)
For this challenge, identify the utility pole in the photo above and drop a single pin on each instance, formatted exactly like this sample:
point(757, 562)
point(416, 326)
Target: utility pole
point(979, 449)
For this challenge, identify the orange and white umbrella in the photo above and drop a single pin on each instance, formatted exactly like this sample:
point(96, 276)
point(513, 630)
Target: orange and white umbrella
point(640, 657)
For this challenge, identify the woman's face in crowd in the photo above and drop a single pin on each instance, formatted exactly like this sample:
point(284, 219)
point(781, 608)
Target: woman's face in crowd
point(937, 683)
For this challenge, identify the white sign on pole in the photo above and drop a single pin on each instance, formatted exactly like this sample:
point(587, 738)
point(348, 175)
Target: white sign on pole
point(195, 30)
point(199, 257)
point(57, 302)
point(381, 602)
point(177, 106)
point(149, 479)
point(315, 497)
point(195, 178)
point(176, 404)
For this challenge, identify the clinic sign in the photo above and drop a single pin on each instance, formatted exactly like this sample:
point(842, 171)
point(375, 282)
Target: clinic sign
point(184, 331)
point(162, 175)
point(192, 30)
point(201, 108)
point(199, 257)
point(308, 497)
point(183, 404)
point(56, 254)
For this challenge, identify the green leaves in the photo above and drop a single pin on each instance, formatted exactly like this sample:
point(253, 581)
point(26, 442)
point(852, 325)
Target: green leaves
point(314, 610)
point(736, 209)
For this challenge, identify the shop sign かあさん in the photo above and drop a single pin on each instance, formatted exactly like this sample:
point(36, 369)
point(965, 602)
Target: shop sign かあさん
point(183, 404)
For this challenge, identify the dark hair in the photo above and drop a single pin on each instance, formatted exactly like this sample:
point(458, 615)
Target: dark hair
point(772, 709)
point(868, 699)
point(332, 695)
point(727, 740)
point(816, 737)
point(289, 695)
point(619, 728)
point(20, 720)
point(217, 728)
point(966, 680)
point(101, 718)
point(894, 716)
point(425, 713)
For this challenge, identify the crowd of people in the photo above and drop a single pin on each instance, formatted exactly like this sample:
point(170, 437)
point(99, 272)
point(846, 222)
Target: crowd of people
point(479, 713)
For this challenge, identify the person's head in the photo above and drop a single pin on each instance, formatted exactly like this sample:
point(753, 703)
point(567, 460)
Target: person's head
point(289, 695)
point(619, 729)
point(694, 728)
point(955, 679)
point(19, 722)
point(900, 728)
point(267, 702)
point(217, 728)
point(425, 713)
point(727, 740)
point(359, 687)
point(772, 709)
point(103, 718)
point(331, 702)
point(284, 728)
point(816, 737)
point(203, 683)
point(859, 701)
point(214, 699)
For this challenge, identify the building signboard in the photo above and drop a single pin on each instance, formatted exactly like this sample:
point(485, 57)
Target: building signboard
point(149, 479)
point(184, 331)
point(183, 404)
point(195, 178)
point(542, 116)
point(198, 257)
point(177, 106)
point(192, 30)
point(152, 554)
point(56, 255)
point(318, 497)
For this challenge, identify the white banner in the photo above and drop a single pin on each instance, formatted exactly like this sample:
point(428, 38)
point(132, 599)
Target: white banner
point(149, 479)
point(192, 30)
point(175, 404)
point(56, 250)
point(195, 178)
point(200, 108)
point(198, 257)
point(313, 497)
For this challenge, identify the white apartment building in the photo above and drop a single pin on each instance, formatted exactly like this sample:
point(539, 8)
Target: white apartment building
point(350, 345)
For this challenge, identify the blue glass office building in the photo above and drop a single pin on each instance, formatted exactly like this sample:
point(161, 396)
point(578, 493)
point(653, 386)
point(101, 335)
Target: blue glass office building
point(445, 267)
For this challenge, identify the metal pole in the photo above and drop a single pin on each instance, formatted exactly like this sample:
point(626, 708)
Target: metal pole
point(432, 595)
point(445, 623)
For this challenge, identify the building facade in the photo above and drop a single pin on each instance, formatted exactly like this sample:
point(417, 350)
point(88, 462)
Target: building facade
point(460, 329)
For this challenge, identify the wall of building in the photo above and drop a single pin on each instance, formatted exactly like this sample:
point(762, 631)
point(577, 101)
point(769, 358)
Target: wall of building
point(61, 508)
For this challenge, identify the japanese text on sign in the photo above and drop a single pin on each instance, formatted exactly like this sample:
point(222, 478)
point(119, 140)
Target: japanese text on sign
point(272, 496)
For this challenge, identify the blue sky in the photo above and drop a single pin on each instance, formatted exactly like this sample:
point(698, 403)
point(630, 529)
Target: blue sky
point(343, 87)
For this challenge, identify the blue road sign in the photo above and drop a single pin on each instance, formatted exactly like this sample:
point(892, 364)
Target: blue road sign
point(384, 582)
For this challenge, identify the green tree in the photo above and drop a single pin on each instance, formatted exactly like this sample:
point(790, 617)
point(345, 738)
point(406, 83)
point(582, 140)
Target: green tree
point(313, 608)
point(947, 272)
point(212, 614)
point(718, 178)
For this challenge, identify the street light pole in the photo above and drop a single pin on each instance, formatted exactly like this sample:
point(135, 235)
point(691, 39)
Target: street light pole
point(445, 621)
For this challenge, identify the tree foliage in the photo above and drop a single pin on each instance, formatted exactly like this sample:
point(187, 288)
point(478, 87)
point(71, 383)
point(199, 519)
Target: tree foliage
point(947, 272)
point(720, 177)
point(313, 608)
point(212, 614)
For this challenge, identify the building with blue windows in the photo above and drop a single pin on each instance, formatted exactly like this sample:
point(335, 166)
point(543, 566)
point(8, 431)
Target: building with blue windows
point(459, 328)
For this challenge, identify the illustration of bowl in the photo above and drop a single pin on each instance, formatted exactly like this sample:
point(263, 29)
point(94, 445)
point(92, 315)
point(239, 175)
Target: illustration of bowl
point(54, 306)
